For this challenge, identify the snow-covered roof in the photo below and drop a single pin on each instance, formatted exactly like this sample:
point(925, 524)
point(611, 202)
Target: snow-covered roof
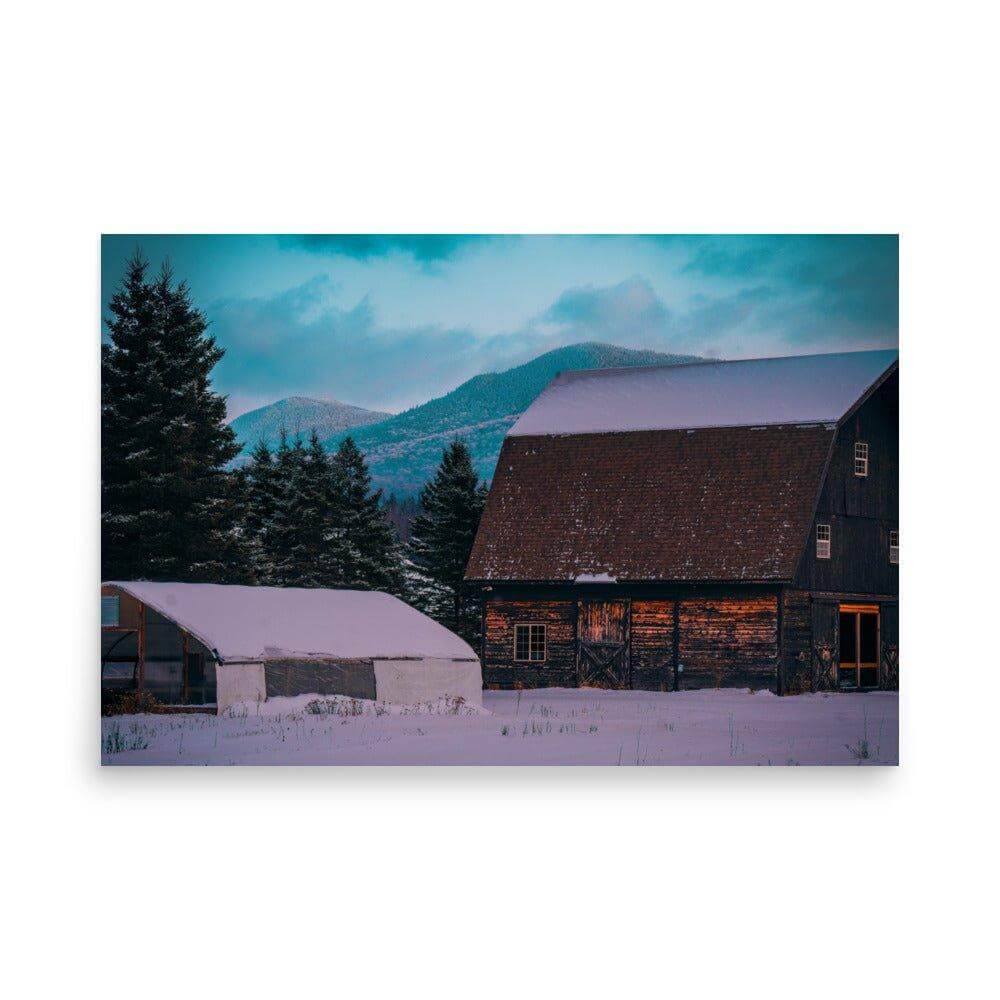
point(808, 389)
point(265, 623)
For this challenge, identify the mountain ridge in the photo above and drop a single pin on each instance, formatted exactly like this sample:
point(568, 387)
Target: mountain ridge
point(404, 450)
point(298, 415)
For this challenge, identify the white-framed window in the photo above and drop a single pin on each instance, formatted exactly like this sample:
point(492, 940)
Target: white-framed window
point(861, 458)
point(529, 643)
point(894, 547)
point(822, 541)
point(110, 610)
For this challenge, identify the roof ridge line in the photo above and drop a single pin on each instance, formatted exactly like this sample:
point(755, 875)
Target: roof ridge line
point(580, 372)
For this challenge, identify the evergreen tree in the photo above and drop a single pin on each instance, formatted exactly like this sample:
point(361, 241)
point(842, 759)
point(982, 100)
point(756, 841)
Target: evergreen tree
point(370, 555)
point(321, 517)
point(260, 489)
point(169, 508)
point(284, 536)
point(441, 538)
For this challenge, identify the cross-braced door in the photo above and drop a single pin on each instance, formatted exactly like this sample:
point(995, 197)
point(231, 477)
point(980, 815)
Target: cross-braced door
point(602, 644)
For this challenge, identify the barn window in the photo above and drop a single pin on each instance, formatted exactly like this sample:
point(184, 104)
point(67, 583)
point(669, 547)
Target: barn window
point(110, 611)
point(860, 458)
point(529, 643)
point(822, 541)
point(894, 547)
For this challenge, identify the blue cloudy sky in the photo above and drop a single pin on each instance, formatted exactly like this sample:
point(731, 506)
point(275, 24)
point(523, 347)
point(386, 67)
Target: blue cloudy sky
point(391, 321)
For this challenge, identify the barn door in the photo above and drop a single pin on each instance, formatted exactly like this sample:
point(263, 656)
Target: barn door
point(602, 644)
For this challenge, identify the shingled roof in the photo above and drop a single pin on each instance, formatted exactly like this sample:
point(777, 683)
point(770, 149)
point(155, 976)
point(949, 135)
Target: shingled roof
point(673, 503)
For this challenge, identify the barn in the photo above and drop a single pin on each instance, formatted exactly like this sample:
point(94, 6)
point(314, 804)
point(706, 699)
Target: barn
point(729, 523)
point(208, 646)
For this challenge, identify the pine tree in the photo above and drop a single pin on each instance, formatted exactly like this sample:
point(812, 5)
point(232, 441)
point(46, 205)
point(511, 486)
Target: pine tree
point(441, 538)
point(370, 555)
point(169, 508)
point(321, 517)
point(284, 537)
point(260, 490)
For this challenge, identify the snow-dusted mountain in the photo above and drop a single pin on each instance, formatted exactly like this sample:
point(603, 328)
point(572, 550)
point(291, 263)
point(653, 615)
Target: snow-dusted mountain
point(299, 415)
point(403, 451)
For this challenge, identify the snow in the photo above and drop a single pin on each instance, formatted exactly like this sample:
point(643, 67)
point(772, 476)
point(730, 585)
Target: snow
point(549, 726)
point(260, 623)
point(809, 389)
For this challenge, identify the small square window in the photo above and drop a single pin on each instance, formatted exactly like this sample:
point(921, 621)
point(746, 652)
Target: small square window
point(860, 458)
point(110, 611)
point(894, 547)
point(822, 541)
point(529, 643)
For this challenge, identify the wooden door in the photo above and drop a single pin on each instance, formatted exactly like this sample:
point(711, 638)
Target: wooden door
point(602, 644)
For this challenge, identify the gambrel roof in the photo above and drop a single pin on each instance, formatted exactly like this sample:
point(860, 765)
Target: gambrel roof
point(807, 389)
point(697, 473)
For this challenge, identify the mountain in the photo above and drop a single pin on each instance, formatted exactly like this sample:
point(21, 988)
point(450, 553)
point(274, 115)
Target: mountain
point(297, 414)
point(403, 451)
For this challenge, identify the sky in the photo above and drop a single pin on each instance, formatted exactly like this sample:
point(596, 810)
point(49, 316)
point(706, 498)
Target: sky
point(388, 322)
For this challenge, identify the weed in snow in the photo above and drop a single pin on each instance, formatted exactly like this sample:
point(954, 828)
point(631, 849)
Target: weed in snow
point(115, 741)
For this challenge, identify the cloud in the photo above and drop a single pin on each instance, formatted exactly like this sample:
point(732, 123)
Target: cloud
point(425, 249)
point(852, 278)
point(731, 298)
point(304, 342)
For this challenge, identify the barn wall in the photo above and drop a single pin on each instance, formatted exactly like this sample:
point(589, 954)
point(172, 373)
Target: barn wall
point(724, 637)
point(889, 635)
point(825, 621)
point(502, 614)
point(861, 510)
point(653, 624)
point(728, 642)
point(796, 642)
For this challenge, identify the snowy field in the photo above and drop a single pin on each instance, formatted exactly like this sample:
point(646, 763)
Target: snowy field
point(551, 726)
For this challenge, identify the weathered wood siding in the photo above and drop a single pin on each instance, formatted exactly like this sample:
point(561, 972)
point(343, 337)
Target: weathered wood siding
point(728, 642)
point(796, 642)
point(889, 654)
point(825, 616)
point(559, 668)
point(861, 510)
point(725, 637)
point(653, 645)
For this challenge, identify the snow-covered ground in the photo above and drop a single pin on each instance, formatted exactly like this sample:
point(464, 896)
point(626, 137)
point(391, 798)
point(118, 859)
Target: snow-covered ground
point(551, 726)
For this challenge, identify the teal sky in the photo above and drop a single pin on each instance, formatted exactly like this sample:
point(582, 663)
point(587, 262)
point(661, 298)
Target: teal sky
point(391, 321)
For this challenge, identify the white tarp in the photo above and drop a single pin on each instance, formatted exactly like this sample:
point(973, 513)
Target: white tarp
point(267, 623)
point(810, 389)
point(239, 682)
point(407, 682)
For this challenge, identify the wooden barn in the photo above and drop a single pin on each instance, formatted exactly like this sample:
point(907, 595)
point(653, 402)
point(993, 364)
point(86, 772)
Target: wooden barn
point(727, 523)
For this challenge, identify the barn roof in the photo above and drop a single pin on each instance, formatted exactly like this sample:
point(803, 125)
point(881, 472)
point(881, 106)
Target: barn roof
point(265, 623)
point(721, 487)
point(814, 388)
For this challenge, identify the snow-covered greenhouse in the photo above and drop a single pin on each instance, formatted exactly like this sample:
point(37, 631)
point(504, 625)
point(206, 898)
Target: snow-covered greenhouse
point(213, 646)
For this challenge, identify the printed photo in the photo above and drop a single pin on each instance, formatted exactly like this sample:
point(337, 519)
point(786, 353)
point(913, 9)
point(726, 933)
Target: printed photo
point(499, 499)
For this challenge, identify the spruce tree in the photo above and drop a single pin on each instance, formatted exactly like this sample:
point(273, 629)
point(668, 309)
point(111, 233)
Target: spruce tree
point(169, 508)
point(441, 538)
point(367, 546)
point(284, 538)
point(260, 490)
